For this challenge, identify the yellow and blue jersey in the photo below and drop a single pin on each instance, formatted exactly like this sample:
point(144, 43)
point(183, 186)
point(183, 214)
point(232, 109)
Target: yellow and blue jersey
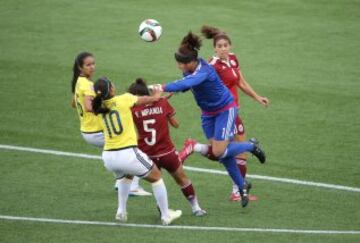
point(89, 122)
point(118, 123)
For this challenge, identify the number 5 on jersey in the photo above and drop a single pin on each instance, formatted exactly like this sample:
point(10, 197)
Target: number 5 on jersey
point(152, 139)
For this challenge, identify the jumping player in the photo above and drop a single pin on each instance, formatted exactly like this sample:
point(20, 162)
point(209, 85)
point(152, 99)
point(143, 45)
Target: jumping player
point(227, 67)
point(218, 108)
point(121, 154)
point(90, 124)
point(154, 139)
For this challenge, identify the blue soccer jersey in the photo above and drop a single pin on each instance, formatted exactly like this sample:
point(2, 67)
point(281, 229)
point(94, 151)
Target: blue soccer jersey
point(208, 89)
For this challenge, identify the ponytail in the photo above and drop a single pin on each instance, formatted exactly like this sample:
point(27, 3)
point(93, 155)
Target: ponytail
point(191, 41)
point(79, 62)
point(102, 89)
point(215, 34)
point(139, 88)
point(189, 47)
point(97, 105)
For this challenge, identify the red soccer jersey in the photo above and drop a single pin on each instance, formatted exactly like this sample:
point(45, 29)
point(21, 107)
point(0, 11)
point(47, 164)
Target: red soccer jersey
point(153, 130)
point(229, 73)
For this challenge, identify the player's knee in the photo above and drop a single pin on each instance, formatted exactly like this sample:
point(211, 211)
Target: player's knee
point(217, 151)
point(154, 175)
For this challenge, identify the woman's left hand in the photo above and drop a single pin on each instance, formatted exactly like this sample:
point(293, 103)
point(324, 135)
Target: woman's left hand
point(263, 100)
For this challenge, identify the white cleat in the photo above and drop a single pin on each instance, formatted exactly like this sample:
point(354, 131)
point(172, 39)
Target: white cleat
point(122, 217)
point(173, 215)
point(200, 213)
point(139, 192)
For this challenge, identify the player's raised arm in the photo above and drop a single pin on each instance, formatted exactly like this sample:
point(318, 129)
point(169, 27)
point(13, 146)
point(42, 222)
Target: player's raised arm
point(247, 89)
point(155, 94)
point(185, 83)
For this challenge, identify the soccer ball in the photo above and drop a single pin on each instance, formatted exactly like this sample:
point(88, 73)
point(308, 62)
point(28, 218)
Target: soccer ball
point(150, 30)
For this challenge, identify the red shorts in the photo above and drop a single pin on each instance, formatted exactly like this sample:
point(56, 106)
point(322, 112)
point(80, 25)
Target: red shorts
point(169, 162)
point(239, 126)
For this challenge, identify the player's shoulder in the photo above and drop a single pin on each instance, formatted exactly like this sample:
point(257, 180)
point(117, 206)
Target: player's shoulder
point(83, 82)
point(126, 96)
point(232, 56)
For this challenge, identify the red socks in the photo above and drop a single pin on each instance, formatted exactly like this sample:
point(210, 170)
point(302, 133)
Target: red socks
point(241, 163)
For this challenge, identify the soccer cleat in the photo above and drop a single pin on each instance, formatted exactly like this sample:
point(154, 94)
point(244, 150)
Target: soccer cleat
point(247, 187)
point(258, 152)
point(122, 217)
point(244, 199)
point(173, 215)
point(188, 149)
point(200, 213)
point(235, 197)
point(140, 192)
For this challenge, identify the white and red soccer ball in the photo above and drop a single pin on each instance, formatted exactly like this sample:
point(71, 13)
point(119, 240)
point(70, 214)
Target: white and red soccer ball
point(150, 30)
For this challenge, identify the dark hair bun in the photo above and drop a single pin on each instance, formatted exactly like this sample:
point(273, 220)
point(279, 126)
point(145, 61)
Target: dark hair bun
point(191, 41)
point(140, 81)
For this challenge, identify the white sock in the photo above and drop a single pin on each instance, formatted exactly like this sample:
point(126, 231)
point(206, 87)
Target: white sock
point(235, 188)
point(201, 148)
point(135, 183)
point(194, 204)
point(123, 194)
point(160, 195)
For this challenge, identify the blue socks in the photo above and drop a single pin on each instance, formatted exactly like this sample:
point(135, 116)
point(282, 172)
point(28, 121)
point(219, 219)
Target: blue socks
point(234, 172)
point(235, 148)
point(229, 161)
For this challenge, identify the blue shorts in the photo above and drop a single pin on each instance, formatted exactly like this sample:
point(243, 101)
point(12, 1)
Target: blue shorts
point(221, 126)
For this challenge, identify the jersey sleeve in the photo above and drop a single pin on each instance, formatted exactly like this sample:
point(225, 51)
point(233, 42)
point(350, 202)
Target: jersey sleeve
point(186, 83)
point(130, 99)
point(169, 110)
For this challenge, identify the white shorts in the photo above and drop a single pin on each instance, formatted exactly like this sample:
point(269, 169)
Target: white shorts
point(127, 161)
point(96, 139)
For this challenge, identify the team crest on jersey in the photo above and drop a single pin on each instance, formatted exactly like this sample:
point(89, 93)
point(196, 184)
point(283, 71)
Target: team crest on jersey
point(232, 63)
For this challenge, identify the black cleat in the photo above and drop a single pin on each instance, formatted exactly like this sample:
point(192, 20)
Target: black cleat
point(247, 187)
point(244, 199)
point(258, 152)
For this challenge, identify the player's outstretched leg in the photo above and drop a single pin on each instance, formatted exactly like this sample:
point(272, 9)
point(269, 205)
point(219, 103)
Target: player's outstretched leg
point(257, 151)
point(187, 149)
point(234, 148)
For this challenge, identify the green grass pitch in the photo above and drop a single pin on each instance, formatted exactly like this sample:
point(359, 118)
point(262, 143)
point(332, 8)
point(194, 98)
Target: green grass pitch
point(302, 54)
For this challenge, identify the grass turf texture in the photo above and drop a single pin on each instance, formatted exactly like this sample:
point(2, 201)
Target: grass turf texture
point(303, 55)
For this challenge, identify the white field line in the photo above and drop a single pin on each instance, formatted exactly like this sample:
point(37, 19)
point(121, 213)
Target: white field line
point(180, 227)
point(202, 170)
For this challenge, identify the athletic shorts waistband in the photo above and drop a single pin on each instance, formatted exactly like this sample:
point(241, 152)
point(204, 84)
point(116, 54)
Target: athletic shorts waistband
point(225, 108)
point(118, 149)
point(162, 154)
point(91, 132)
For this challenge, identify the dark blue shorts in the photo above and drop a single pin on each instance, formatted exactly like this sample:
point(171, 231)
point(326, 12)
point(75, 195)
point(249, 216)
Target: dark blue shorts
point(221, 126)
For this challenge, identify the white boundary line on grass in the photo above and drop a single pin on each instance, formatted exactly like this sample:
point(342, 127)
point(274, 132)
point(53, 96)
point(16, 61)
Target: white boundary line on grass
point(180, 227)
point(202, 170)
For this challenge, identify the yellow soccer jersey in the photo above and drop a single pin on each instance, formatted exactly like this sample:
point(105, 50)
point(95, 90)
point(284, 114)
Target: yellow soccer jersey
point(89, 122)
point(119, 127)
